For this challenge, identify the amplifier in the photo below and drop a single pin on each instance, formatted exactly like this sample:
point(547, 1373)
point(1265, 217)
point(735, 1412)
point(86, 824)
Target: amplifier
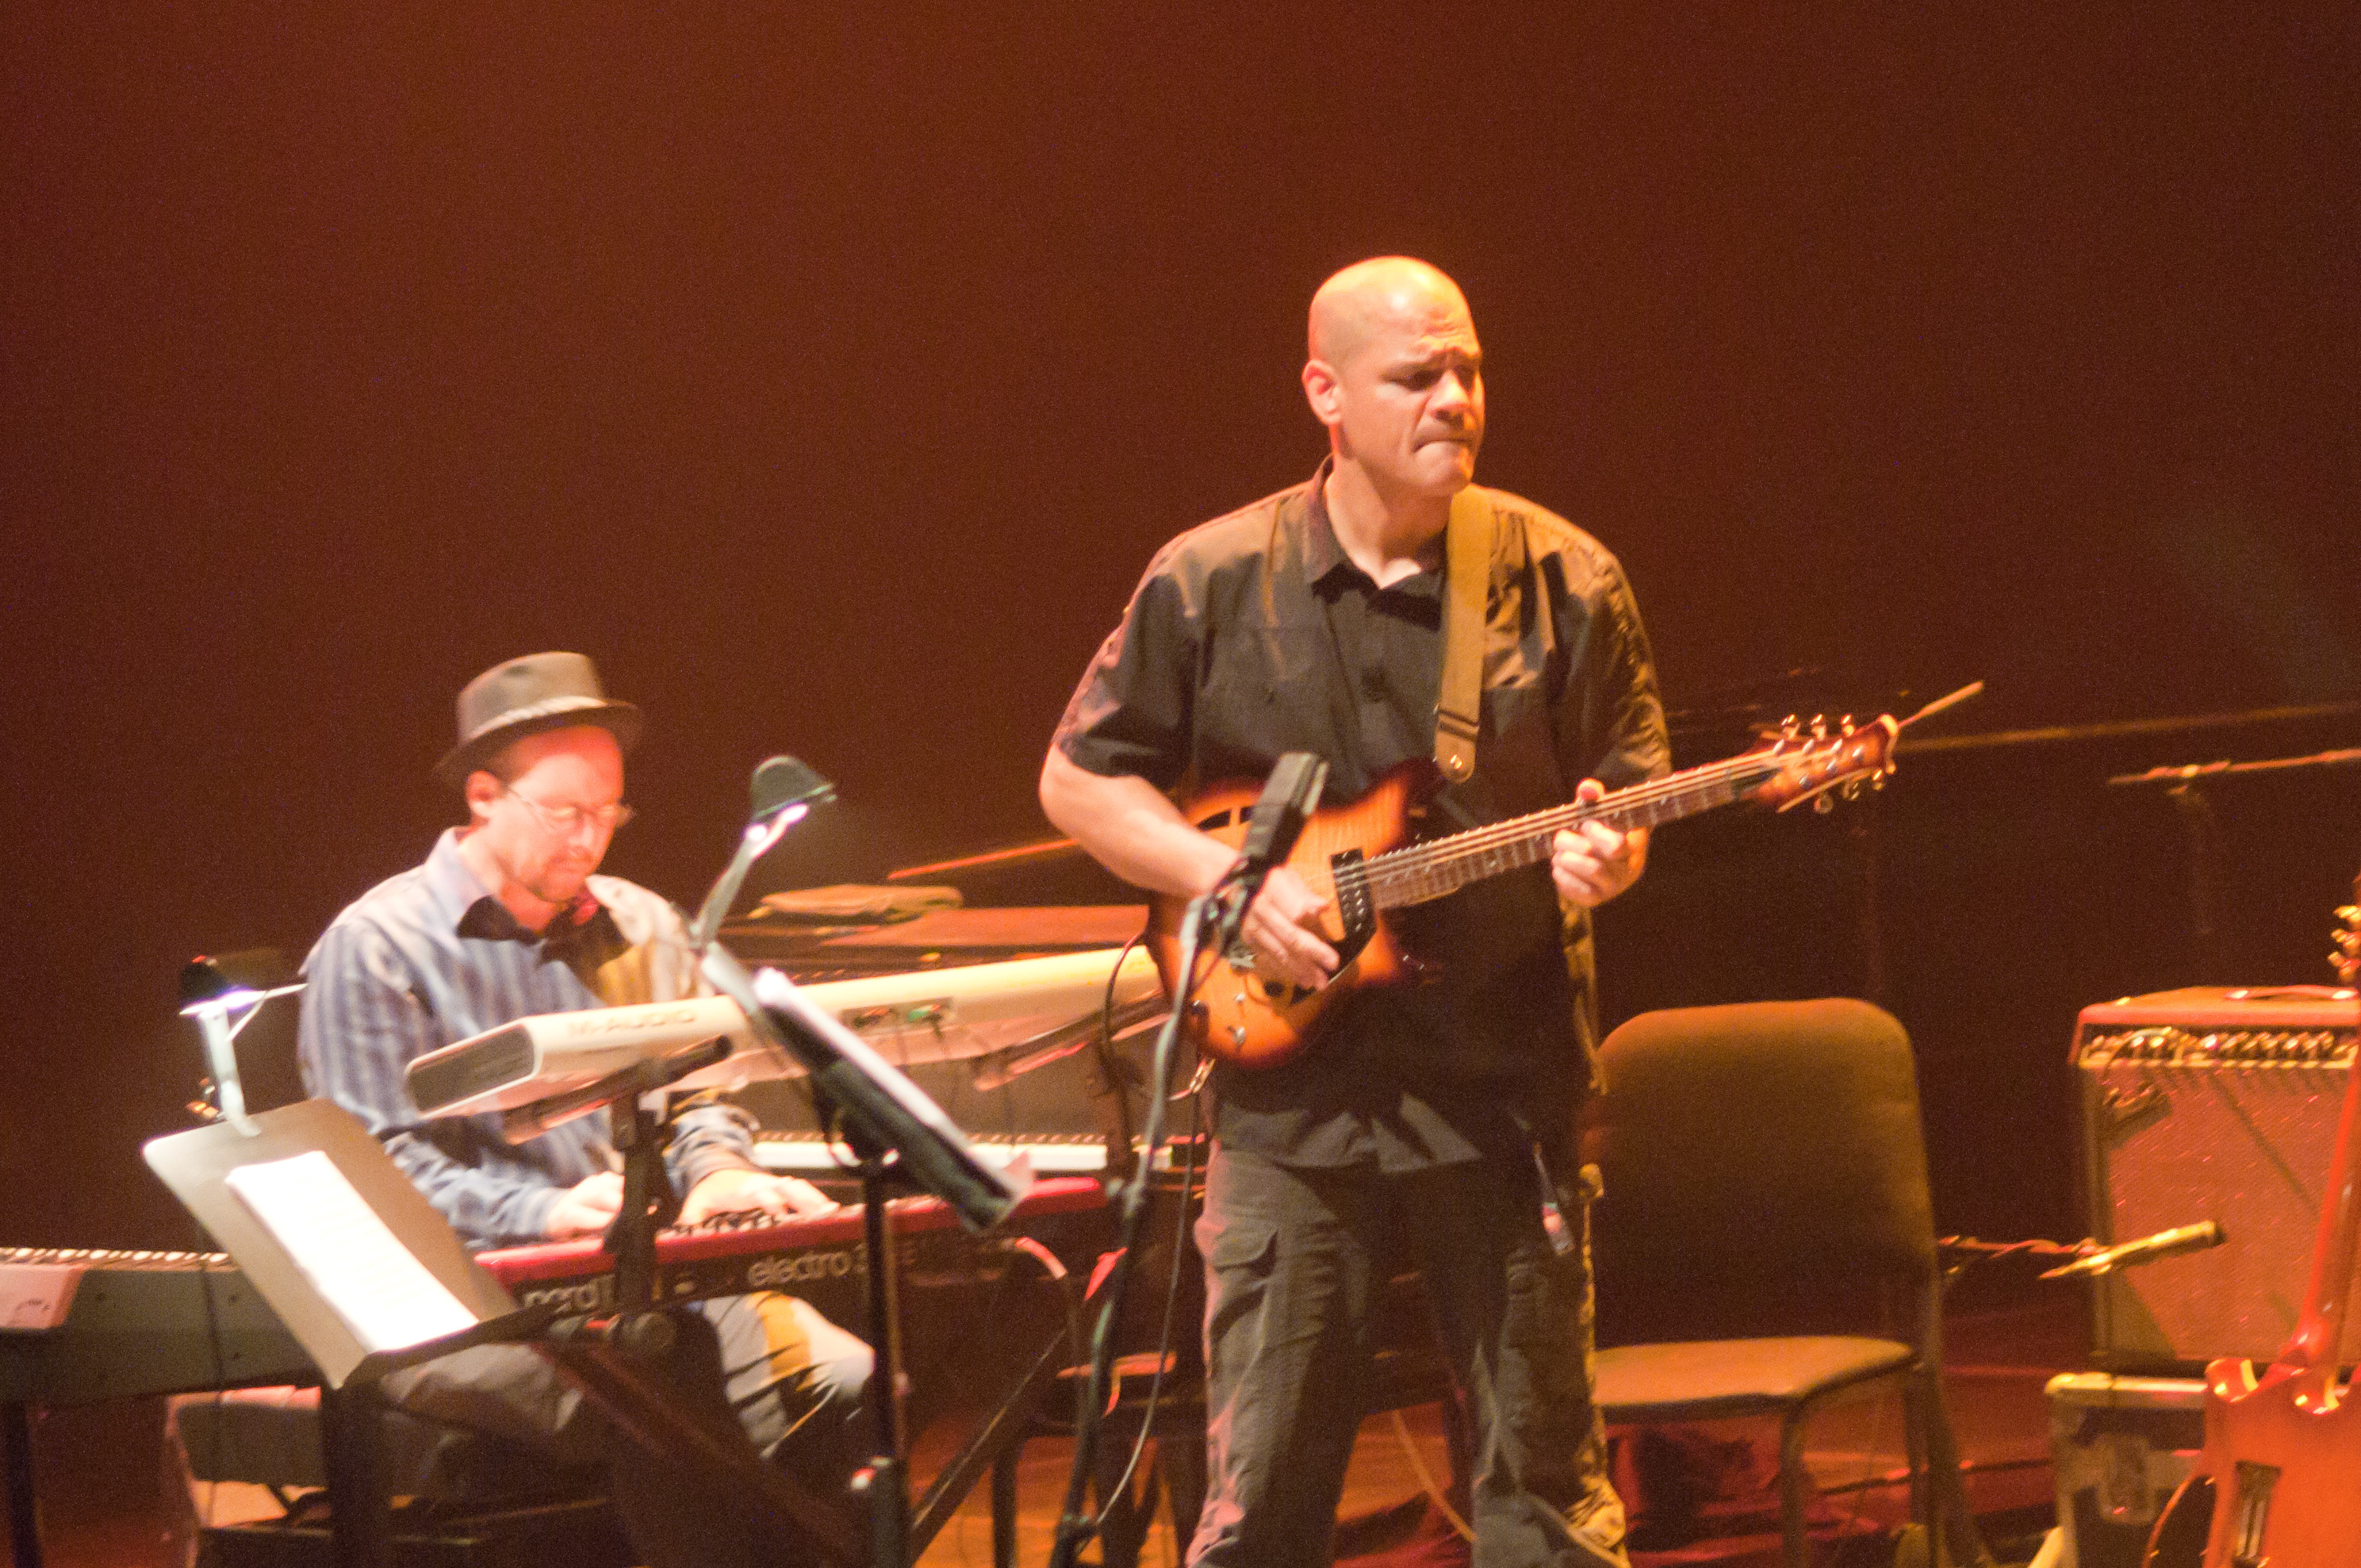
point(2210, 1104)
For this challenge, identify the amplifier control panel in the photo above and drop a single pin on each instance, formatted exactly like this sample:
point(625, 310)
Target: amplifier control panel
point(2174, 1045)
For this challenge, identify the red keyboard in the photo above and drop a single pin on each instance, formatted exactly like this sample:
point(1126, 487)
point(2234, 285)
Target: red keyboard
point(818, 1259)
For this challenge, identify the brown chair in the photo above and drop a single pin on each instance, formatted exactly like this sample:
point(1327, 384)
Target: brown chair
point(1765, 1242)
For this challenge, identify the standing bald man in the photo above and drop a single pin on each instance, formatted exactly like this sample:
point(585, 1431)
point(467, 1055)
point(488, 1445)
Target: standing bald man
point(1438, 1117)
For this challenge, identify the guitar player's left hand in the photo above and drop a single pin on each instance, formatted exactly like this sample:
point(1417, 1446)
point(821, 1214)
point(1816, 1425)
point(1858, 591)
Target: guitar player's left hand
point(1594, 862)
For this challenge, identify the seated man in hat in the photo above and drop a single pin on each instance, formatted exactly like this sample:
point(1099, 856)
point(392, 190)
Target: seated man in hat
point(505, 920)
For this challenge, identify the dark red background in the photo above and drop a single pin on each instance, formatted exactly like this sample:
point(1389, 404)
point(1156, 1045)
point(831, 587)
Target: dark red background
point(830, 375)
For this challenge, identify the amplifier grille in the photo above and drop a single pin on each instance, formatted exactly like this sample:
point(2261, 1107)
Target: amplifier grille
point(2218, 1115)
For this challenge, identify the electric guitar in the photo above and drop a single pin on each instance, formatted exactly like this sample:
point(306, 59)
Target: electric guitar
point(2283, 1450)
point(1362, 858)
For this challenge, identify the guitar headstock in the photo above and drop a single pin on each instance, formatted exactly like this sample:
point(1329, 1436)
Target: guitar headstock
point(2346, 958)
point(1818, 762)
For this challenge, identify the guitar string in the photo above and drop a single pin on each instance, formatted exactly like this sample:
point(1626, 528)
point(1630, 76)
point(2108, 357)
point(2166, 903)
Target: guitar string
point(1404, 865)
point(1366, 879)
point(1392, 869)
point(1649, 794)
point(1415, 858)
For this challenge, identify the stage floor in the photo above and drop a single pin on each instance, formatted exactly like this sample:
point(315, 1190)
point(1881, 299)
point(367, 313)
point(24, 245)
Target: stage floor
point(104, 1502)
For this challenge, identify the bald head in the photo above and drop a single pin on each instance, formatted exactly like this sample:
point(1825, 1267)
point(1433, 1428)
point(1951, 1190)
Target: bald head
point(1356, 305)
point(1397, 376)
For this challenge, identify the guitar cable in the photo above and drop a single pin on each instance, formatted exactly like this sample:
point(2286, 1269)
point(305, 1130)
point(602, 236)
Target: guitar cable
point(1179, 1235)
point(1164, 1335)
point(1074, 1526)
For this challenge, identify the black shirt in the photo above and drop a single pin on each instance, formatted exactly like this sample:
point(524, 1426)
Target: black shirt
point(1253, 635)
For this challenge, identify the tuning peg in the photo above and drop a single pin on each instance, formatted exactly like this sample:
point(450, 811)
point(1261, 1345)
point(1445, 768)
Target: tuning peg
point(1819, 727)
point(1847, 726)
point(2350, 914)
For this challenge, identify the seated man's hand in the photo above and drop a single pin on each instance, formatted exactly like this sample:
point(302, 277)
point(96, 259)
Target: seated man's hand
point(1594, 862)
point(589, 1205)
point(1282, 927)
point(731, 1190)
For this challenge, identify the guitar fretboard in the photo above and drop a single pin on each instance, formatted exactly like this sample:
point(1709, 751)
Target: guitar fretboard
point(1418, 872)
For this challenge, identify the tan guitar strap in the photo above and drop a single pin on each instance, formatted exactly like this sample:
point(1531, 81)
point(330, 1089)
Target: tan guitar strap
point(1459, 704)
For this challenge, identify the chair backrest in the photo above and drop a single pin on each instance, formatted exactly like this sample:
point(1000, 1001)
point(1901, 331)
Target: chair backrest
point(1765, 1174)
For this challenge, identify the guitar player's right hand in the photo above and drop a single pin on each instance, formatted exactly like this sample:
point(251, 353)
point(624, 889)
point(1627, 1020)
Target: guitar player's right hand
point(1281, 927)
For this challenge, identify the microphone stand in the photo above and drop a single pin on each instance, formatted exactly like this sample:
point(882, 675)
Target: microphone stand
point(1207, 914)
point(1287, 797)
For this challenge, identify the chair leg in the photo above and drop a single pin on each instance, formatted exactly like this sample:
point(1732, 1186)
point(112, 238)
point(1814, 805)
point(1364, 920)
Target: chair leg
point(360, 1516)
point(1180, 1460)
point(1127, 1512)
point(1004, 1506)
point(24, 1507)
point(1914, 1447)
point(1951, 1522)
point(1794, 1494)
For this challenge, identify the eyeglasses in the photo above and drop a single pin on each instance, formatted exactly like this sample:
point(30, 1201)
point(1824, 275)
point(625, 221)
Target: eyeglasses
point(567, 820)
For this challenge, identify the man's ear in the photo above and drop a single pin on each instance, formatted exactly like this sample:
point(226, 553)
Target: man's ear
point(483, 788)
point(1319, 390)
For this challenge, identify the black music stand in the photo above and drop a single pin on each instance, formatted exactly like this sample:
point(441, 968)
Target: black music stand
point(197, 1165)
point(884, 1117)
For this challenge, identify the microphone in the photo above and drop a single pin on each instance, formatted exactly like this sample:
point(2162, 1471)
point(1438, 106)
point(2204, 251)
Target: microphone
point(783, 783)
point(782, 793)
point(2146, 1249)
point(1287, 801)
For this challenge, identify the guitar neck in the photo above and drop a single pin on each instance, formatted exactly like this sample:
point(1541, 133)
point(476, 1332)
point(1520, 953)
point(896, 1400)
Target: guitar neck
point(1418, 872)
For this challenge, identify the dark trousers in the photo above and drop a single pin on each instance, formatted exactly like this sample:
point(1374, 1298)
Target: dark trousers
point(1292, 1256)
point(794, 1382)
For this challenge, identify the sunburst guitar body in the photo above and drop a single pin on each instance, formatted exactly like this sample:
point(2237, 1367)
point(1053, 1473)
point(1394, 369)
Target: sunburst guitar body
point(1365, 858)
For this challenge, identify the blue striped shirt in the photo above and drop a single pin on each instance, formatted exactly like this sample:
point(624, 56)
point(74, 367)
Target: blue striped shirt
point(429, 957)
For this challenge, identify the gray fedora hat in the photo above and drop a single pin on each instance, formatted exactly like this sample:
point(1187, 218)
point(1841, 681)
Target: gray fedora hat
point(525, 696)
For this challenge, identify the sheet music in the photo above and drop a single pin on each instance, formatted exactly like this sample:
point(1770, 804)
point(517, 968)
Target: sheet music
point(359, 1267)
